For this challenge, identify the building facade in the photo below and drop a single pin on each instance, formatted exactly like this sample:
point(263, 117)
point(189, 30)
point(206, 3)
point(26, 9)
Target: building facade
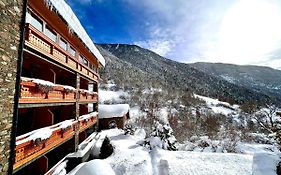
point(58, 96)
point(11, 13)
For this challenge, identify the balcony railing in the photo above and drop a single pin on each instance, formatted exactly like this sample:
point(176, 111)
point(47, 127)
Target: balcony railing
point(87, 96)
point(41, 43)
point(33, 144)
point(40, 91)
point(36, 143)
point(85, 121)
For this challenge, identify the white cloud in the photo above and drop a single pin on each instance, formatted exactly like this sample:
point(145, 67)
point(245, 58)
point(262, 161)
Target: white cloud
point(231, 31)
point(162, 47)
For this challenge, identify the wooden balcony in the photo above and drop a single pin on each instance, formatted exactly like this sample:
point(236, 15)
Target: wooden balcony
point(87, 96)
point(41, 43)
point(29, 147)
point(32, 145)
point(32, 92)
point(86, 121)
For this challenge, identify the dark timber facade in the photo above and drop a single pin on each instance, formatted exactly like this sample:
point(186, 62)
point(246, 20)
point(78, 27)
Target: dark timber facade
point(52, 104)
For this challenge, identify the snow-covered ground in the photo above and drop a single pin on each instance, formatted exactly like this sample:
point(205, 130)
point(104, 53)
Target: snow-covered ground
point(219, 106)
point(131, 158)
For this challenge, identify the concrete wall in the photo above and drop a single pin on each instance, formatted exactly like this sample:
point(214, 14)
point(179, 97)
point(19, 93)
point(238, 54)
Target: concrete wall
point(11, 15)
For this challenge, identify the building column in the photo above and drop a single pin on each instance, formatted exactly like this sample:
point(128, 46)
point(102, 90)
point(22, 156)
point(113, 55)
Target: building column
point(11, 31)
point(77, 114)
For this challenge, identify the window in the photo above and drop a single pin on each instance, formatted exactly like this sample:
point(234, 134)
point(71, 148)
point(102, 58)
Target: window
point(34, 21)
point(94, 68)
point(63, 44)
point(72, 51)
point(90, 66)
point(83, 60)
point(50, 34)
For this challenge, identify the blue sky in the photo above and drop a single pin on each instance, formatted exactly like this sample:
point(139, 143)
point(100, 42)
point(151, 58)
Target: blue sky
point(229, 31)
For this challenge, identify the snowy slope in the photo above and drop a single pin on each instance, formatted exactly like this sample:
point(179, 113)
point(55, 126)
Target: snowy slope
point(219, 106)
point(131, 158)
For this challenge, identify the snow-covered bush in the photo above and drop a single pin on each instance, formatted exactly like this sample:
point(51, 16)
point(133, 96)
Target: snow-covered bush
point(129, 129)
point(162, 137)
point(205, 144)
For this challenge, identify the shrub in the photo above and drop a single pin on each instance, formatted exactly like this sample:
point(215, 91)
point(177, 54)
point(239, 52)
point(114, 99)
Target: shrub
point(106, 148)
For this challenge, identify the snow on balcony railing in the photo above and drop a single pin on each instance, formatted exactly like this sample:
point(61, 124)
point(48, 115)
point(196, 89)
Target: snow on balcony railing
point(88, 120)
point(86, 95)
point(43, 133)
point(35, 143)
point(36, 90)
point(86, 117)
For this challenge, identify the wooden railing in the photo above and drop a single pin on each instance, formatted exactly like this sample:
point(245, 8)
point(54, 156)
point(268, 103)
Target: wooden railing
point(41, 43)
point(86, 96)
point(29, 148)
point(86, 122)
point(32, 93)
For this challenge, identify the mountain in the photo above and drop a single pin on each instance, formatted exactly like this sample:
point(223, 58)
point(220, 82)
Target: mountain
point(261, 79)
point(135, 66)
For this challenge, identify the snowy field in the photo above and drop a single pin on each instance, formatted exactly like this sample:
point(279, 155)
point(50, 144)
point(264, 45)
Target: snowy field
point(130, 158)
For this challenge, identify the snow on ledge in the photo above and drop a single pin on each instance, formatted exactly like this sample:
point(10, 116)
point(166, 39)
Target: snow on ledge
point(43, 133)
point(38, 81)
point(110, 111)
point(87, 116)
point(46, 83)
point(74, 24)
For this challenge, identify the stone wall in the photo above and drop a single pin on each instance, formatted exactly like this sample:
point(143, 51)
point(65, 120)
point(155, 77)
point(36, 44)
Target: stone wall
point(10, 17)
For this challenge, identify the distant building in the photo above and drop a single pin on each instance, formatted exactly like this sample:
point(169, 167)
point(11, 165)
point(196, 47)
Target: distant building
point(58, 88)
point(113, 116)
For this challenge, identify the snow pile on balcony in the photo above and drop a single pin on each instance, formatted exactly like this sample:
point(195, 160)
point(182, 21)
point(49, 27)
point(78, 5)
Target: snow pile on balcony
point(43, 82)
point(88, 116)
point(38, 81)
point(89, 92)
point(74, 24)
point(69, 88)
point(110, 111)
point(46, 83)
point(42, 133)
point(66, 124)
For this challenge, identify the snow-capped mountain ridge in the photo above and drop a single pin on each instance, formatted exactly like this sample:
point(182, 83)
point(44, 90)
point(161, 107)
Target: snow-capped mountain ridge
point(136, 67)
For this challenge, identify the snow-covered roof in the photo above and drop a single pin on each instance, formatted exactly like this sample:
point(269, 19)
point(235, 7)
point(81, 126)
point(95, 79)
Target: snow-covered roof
point(74, 24)
point(110, 111)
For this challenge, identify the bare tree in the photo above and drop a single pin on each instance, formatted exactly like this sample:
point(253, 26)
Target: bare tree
point(266, 118)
